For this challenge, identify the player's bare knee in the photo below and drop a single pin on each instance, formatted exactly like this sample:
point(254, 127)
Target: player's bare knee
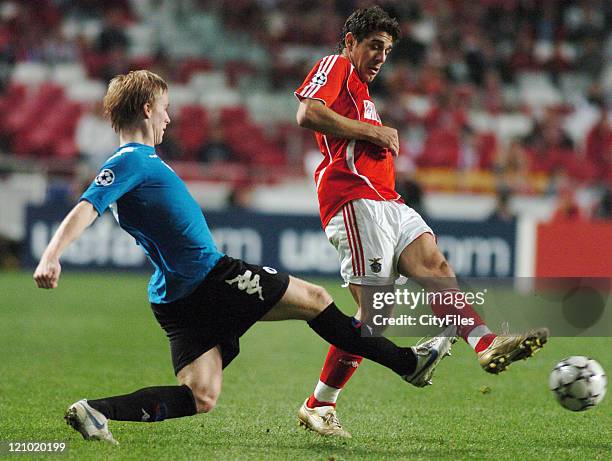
point(319, 296)
point(205, 399)
point(205, 395)
point(444, 269)
point(206, 404)
point(436, 265)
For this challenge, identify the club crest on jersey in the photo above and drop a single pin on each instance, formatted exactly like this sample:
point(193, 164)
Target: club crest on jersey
point(375, 265)
point(319, 78)
point(369, 111)
point(105, 178)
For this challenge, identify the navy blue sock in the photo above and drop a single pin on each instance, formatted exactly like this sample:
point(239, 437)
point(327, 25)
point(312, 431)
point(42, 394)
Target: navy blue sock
point(149, 404)
point(345, 333)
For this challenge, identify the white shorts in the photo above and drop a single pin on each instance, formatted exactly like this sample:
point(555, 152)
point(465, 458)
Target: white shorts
point(370, 235)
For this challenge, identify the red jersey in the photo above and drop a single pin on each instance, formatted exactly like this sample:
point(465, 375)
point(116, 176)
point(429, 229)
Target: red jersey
point(350, 169)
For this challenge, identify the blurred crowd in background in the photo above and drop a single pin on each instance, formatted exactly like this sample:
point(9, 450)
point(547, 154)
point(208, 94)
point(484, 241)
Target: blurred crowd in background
point(493, 96)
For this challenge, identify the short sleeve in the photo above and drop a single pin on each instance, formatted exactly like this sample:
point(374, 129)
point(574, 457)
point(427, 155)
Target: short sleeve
point(326, 80)
point(119, 175)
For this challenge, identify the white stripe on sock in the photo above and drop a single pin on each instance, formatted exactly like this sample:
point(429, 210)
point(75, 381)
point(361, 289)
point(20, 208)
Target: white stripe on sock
point(325, 393)
point(476, 335)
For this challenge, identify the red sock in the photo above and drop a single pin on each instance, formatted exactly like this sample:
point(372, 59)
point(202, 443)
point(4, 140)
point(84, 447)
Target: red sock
point(477, 334)
point(338, 368)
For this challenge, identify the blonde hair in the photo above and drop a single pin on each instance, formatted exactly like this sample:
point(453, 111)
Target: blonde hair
point(127, 94)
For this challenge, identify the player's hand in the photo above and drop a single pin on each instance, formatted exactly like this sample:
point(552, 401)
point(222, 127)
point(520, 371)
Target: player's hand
point(47, 273)
point(388, 138)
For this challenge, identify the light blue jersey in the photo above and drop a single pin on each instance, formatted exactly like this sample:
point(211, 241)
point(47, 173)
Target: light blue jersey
point(153, 205)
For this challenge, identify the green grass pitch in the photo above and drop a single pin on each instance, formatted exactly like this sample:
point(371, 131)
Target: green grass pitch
point(95, 336)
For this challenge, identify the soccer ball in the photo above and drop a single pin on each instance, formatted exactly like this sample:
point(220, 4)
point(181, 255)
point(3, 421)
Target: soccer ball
point(578, 383)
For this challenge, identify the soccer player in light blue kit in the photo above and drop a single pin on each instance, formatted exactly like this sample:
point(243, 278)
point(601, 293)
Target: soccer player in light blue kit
point(204, 300)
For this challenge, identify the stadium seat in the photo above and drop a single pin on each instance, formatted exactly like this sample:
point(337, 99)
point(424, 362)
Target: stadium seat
point(141, 39)
point(141, 62)
point(10, 102)
point(55, 125)
point(191, 129)
point(68, 74)
point(208, 81)
point(266, 108)
point(36, 102)
point(233, 115)
point(87, 91)
point(30, 73)
point(180, 95)
point(65, 148)
point(220, 97)
point(235, 70)
point(190, 66)
point(94, 63)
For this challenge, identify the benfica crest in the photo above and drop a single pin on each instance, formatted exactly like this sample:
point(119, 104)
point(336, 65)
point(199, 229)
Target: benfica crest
point(375, 265)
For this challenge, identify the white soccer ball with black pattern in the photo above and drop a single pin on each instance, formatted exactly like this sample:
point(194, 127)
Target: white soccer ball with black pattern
point(578, 383)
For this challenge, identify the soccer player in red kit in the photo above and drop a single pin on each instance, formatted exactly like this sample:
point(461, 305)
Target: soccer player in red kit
point(378, 237)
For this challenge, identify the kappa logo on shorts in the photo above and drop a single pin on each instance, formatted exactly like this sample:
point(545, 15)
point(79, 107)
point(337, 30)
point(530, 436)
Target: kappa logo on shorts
point(105, 178)
point(375, 265)
point(319, 78)
point(247, 282)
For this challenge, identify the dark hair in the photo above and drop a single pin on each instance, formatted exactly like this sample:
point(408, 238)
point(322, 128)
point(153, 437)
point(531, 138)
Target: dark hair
point(365, 21)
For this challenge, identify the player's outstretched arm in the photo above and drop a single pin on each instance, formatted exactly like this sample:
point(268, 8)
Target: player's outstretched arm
point(48, 271)
point(315, 115)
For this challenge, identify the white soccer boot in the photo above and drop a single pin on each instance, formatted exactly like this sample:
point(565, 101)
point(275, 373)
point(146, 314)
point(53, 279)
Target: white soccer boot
point(322, 420)
point(429, 353)
point(92, 424)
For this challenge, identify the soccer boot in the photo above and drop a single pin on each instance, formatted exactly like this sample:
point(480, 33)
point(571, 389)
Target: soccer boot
point(429, 353)
point(322, 420)
point(507, 348)
point(92, 424)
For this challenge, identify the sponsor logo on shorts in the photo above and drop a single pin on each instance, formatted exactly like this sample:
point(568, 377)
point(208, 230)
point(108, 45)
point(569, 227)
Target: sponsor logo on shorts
point(375, 265)
point(105, 178)
point(247, 282)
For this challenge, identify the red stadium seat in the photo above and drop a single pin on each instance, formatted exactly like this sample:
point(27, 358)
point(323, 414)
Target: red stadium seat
point(188, 67)
point(252, 146)
point(59, 124)
point(236, 69)
point(65, 148)
point(191, 130)
point(234, 115)
point(35, 107)
point(11, 101)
